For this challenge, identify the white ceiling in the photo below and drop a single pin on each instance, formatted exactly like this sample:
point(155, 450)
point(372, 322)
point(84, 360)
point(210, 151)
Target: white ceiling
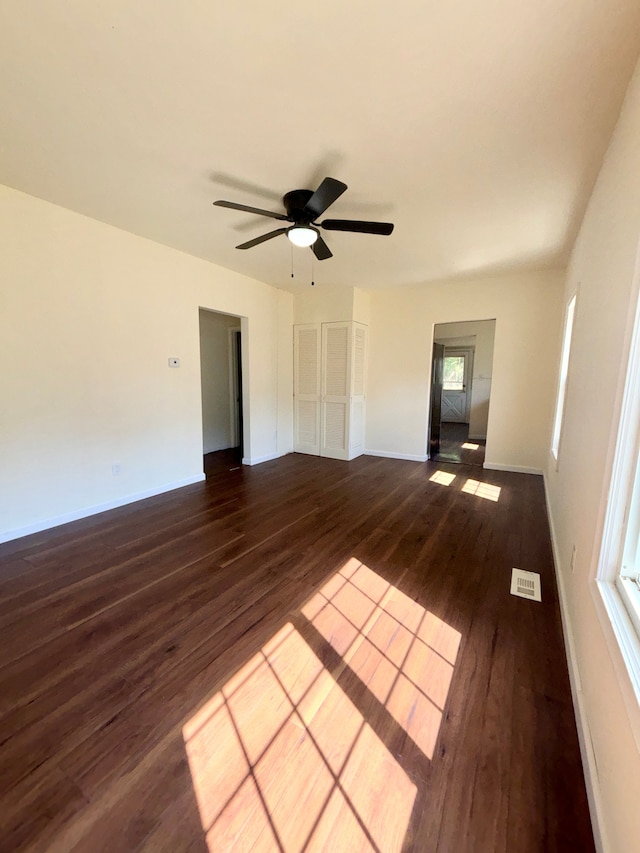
point(476, 126)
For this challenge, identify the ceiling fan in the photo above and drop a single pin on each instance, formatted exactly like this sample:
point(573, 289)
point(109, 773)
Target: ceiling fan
point(303, 207)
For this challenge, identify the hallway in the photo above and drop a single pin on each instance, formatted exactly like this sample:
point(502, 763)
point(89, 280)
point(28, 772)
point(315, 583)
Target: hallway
point(456, 447)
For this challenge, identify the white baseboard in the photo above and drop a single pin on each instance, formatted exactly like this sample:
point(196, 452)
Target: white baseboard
point(515, 469)
point(589, 765)
point(477, 437)
point(248, 460)
point(85, 512)
point(387, 455)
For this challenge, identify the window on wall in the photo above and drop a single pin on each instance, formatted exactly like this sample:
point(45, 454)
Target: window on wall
point(562, 380)
point(619, 565)
point(453, 373)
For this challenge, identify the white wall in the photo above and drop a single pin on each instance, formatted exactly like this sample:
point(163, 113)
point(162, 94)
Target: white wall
point(323, 304)
point(214, 377)
point(602, 265)
point(481, 336)
point(527, 310)
point(361, 306)
point(89, 316)
point(330, 304)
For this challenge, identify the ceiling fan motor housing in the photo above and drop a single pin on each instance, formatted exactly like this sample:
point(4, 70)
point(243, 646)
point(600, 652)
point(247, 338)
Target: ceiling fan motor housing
point(294, 203)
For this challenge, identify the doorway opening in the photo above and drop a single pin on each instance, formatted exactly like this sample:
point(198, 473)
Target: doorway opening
point(221, 388)
point(461, 372)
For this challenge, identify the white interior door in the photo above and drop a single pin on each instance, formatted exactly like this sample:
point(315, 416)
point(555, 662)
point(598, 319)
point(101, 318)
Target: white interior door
point(456, 385)
point(330, 364)
point(357, 415)
point(335, 390)
point(306, 393)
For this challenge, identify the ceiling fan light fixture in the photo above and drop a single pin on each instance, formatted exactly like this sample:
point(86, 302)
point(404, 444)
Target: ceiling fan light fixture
point(302, 235)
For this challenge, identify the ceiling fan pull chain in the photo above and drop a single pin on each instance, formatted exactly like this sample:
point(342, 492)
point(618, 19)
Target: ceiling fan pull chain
point(312, 265)
point(291, 246)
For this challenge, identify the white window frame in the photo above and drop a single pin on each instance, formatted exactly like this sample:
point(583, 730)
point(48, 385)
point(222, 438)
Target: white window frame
point(628, 579)
point(620, 550)
point(464, 355)
point(567, 337)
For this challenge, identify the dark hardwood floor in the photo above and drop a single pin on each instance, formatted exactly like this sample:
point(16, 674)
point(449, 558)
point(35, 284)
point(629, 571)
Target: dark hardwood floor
point(307, 654)
point(222, 460)
point(456, 446)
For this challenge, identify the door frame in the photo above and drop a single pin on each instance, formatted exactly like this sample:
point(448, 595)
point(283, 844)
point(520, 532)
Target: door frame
point(435, 397)
point(441, 331)
point(235, 387)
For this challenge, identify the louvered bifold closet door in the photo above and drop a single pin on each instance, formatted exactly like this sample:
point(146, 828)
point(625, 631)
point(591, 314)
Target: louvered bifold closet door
point(336, 372)
point(307, 341)
point(359, 379)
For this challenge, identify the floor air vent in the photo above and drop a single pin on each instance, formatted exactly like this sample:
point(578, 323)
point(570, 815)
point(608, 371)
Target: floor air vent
point(525, 584)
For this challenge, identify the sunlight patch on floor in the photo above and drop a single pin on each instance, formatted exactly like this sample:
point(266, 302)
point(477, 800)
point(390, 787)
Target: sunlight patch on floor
point(442, 478)
point(467, 445)
point(281, 757)
point(401, 652)
point(482, 490)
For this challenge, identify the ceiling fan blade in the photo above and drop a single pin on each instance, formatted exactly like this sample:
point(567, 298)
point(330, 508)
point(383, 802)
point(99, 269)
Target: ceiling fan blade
point(328, 191)
point(321, 250)
point(256, 240)
point(248, 209)
point(357, 225)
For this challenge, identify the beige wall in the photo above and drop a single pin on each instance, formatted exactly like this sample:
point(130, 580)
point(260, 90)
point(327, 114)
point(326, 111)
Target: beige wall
point(89, 316)
point(602, 269)
point(527, 310)
point(322, 304)
point(330, 304)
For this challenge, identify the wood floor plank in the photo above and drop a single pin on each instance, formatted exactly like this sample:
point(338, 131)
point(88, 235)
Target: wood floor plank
point(421, 707)
point(35, 810)
point(110, 579)
point(61, 728)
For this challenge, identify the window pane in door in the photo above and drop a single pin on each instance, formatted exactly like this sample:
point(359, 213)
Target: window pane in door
point(453, 373)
